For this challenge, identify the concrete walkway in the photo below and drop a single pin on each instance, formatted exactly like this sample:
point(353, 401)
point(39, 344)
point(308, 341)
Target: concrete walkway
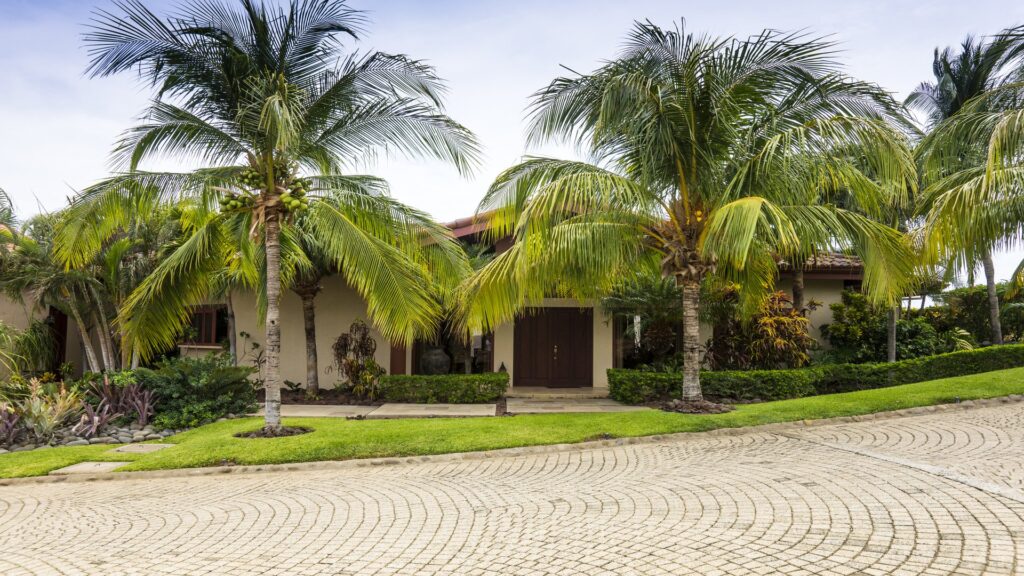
point(926, 495)
point(392, 410)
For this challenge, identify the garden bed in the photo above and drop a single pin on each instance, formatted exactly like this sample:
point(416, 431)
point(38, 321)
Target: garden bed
point(744, 386)
point(483, 388)
point(338, 439)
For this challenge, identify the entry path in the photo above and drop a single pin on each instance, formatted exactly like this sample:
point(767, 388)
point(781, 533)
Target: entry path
point(934, 494)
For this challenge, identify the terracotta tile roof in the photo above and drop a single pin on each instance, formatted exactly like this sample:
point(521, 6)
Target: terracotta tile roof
point(830, 261)
point(469, 225)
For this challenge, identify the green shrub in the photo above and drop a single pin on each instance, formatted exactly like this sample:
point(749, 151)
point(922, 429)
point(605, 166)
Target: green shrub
point(193, 391)
point(636, 387)
point(859, 333)
point(444, 388)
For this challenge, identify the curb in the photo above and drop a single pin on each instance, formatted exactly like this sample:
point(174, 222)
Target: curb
point(507, 452)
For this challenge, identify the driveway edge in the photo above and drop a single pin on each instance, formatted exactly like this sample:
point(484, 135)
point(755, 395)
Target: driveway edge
point(506, 452)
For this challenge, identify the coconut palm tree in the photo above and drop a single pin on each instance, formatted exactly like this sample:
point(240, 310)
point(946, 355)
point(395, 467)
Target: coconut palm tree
point(702, 154)
point(268, 101)
point(961, 76)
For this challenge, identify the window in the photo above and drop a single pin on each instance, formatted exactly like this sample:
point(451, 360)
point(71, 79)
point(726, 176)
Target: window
point(208, 327)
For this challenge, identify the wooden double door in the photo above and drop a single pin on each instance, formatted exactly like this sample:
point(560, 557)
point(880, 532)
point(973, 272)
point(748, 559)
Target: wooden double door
point(554, 348)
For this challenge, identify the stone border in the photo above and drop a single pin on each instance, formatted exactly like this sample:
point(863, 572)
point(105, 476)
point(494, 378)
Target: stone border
point(506, 452)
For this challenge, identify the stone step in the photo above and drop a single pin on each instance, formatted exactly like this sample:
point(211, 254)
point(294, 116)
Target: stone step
point(556, 393)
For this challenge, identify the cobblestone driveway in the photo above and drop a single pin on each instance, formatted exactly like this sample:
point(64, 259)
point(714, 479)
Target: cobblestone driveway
point(935, 494)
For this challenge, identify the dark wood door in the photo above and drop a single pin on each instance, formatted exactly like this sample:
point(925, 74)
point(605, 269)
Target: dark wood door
point(554, 348)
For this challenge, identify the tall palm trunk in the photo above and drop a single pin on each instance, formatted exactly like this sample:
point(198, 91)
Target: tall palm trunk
point(894, 315)
point(103, 327)
point(798, 289)
point(83, 331)
point(232, 333)
point(691, 341)
point(272, 384)
point(309, 320)
point(993, 298)
point(104, 344)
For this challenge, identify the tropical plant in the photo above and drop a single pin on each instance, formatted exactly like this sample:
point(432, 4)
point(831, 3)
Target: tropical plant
point(7, 219)
point(956, 167)
point(354, 360)
point(653, 308)
point(709, 157)
point(265, 97)
point(9, 424)
point(193, 391)
point(775, 337)
point(48, 407)
point(859, 330)
point(94, 419)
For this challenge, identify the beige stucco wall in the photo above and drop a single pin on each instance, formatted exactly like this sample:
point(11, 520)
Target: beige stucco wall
point(822, 291)
point(15, 314)
point(603, 341)
point(19, 316)
point(337, 306)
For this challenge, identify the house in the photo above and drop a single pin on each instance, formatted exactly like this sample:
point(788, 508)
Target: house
point(562, 344)
point(67, 343)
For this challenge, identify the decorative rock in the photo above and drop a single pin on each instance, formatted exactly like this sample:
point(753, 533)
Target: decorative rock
point(2, 451)
point(153, 437)
point(24, 448)
point(79, 442)
point(135, 426)
point(166, 433)
point(100, 440)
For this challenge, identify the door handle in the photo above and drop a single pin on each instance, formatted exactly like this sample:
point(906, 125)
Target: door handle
point(556, 351)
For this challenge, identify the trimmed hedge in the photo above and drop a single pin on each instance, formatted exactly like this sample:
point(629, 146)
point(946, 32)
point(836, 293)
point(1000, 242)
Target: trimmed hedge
point(637, 387)
point(443, 388)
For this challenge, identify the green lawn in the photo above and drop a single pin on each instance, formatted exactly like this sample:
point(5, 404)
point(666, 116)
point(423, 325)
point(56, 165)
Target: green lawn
point(338, 439)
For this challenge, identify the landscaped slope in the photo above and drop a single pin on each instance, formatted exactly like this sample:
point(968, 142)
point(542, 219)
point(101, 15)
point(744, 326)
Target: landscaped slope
point(336, 439)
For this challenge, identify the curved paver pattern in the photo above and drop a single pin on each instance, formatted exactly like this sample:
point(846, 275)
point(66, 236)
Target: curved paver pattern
point(862, 498)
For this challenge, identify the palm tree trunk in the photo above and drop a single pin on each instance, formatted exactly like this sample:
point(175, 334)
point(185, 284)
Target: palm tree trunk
point(993, 298)
point(272, 383)
point(103, 330)
point(894, 314)
point(232, 334)
point(691, 341)
point(309, 320)
point(798, 289)
point(83, 331)
point(104, 350)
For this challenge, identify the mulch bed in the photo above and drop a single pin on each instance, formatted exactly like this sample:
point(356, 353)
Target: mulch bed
point(703, 407)
point(275, 433)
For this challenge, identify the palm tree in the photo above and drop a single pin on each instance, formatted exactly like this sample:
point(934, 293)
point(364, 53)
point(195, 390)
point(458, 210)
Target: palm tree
point(307, 285)
point(960, 77)
point(29, 273)
point(7, 219)
point(703, 154)
point(266, 98)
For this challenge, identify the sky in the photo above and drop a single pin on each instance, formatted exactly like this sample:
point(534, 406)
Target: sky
point(57, 126)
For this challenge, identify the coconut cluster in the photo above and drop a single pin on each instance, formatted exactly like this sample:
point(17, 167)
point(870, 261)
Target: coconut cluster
point(293, 199)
